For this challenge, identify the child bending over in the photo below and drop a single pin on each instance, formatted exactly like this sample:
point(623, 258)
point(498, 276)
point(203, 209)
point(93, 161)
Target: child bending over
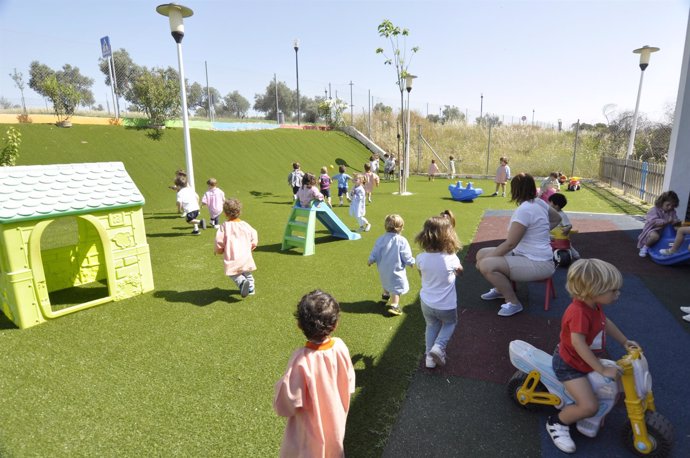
point(236, 240)
point(392, 253)
point(663, 213)
point(439, 266)
point(314, 393)
point(592, 283)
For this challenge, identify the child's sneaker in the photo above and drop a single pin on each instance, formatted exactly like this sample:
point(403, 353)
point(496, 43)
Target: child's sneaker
point(429, 362)
point(386, 296)
point(438, 355)
point(643, 251)
point(503, 194)
point(560, 435)
point(394, 310)
point(685, 309)
point(494, 194)
point(244, 288)
point(491, 295)
point(252, 292)
point(203, 223)
point(367, 228)
point(195, 232)
point(687, 318)
point(510, 309)
point(666, 252)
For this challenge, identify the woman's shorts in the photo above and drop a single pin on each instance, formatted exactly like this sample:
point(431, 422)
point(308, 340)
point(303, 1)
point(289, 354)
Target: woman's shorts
point(562, 370)
point(524, 269)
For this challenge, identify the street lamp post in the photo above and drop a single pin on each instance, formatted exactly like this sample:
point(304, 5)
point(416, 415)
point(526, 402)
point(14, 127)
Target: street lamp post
point(481, 107)
point(408, 85)
point(175, 14)
point(296, 46)
point(644, 53)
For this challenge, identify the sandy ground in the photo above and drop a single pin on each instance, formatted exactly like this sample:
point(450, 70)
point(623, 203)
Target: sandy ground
point(11, 118)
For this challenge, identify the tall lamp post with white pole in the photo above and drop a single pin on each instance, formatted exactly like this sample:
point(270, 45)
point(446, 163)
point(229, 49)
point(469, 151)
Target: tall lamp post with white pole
point(644, 53)
point(406, 173)
point(175, 14)
point(296, 46)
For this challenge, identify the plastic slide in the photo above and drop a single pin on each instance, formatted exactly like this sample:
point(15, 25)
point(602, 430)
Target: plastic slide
point(666, 240)
point(335, 225)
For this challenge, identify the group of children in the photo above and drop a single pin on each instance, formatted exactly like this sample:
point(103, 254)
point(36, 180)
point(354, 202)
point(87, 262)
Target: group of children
point(314, 393)
point(305, 191)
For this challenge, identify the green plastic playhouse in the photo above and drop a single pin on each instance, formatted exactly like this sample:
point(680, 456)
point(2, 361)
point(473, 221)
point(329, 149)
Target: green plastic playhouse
point(65, 227)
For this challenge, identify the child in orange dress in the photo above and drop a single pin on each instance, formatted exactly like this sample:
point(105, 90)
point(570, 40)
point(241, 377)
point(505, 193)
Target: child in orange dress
point(314, 393)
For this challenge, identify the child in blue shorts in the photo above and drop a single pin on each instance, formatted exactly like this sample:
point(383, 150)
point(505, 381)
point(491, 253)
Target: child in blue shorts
point(342, 179)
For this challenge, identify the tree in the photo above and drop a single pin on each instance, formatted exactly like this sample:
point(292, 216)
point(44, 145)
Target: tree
point(157, 93)
point(126, 73)
point(381, 108)
point(266, 102)
point(433, 118)
point(18, 79)
point(66, 88)
point(488, 120)
point(236, 105)
point(10, 151)
point(310, 109)
point(332, 111)
point(399, 61)
point(196, 96)
point(452, 114)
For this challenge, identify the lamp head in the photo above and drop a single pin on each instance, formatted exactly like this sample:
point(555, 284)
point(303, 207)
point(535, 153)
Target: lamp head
point(175, 14)
point(644, 53)
point(295, 44)
point(408, 81)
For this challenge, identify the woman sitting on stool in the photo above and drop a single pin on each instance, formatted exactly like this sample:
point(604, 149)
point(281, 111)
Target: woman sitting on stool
point(526, 254)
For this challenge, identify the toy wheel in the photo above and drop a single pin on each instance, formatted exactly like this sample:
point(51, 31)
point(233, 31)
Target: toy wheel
point(514, 385)
point(660, 432)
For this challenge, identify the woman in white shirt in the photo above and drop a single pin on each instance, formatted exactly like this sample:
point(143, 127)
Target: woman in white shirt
point(526, 253)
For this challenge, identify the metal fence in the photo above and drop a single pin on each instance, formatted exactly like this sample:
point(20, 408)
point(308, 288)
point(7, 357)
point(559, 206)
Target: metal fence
point(637, 178)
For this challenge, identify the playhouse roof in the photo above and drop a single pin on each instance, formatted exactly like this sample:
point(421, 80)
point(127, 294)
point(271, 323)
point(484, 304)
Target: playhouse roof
point(39, 191)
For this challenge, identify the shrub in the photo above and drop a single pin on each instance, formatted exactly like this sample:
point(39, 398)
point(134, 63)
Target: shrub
point(10, 152)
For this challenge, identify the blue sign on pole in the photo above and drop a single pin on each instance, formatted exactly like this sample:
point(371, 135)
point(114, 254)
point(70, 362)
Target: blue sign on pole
point(105, 47)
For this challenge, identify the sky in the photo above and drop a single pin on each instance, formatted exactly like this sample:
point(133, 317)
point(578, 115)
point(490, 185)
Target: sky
point(545, 60)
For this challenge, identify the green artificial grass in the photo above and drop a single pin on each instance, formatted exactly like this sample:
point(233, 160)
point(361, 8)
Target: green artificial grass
point(189, 369)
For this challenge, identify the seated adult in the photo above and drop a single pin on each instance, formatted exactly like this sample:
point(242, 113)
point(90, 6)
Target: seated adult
point(526, 254)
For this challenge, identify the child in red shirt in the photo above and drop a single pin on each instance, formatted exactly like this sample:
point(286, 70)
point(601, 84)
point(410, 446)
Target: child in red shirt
point(591, 283)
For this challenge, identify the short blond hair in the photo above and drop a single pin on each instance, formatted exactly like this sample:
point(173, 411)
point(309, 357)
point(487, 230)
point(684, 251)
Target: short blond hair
point(394, 223)
point(588, 278)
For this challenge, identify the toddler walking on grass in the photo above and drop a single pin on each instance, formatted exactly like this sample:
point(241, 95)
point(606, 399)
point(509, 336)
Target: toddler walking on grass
point(314, 393)
point(439, 266)
point(236, 240)
point(358, 205)
point(188, 204)
point(391, 254)
point(214, 198)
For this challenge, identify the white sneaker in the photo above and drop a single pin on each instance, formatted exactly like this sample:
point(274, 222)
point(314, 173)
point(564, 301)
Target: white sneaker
point(666, 252)
point(643, 251)
point(367, 228)
point(430, 363)
point(244, 288)
point(510, 309)
point(560, 435)
point(685, 309)
point(491, 295)
point(438, 355)
point(687, 318)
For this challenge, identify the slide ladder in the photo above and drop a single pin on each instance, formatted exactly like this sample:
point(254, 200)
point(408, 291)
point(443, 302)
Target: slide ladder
point(301, 227)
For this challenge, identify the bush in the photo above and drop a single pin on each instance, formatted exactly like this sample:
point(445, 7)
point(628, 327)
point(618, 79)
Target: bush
point(10, 152)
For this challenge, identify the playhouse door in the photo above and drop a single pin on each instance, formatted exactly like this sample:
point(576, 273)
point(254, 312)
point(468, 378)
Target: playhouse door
point(70, 265)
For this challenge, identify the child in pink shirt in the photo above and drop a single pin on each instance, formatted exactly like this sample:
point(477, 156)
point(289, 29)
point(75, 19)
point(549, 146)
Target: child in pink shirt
point(308, 191)
point(214, 199)
point(433, 170)
point(236, 240)
point(314, 393)
point(371, 179)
